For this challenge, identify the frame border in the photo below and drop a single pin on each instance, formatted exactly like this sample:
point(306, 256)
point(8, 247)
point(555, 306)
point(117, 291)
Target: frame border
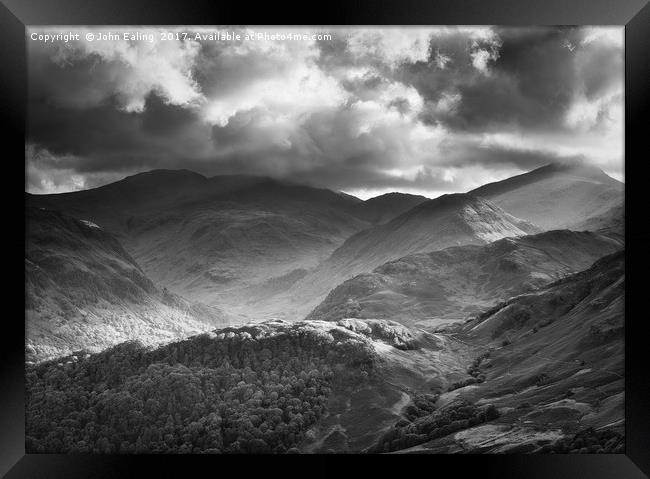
point(15, 15)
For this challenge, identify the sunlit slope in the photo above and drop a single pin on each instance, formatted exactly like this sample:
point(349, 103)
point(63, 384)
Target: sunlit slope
point(557, 195)
point(84, 291)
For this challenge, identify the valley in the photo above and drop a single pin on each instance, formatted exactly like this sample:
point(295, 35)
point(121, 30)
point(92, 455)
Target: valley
point(249, 315)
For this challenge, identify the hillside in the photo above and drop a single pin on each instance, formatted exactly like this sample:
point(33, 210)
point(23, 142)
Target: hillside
point(220, 240)
point(556, 196)
point(541, 372)
point(454, 219)
point(451, 327)
point(261, 388)
point(450, 220)
point(384, 208)
point(427, 289)
point(84, 291)
point(610, 223)
point(263, 248)
point(552, 363)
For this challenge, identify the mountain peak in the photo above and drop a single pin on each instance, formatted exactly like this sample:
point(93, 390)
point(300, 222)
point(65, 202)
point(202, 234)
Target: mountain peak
point(163, 173)
point(394, 195)
point(575, 167)
point(449, 201)
point(556, 196)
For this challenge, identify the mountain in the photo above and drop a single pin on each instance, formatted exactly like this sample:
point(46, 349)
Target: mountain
point(84, 291)
point(265, 248)
point(213, 239)
point(141, 202)
point(384, 208)
point(428, 289)
point(611, 222)
point(536, 364)
point(226, 240)
point(560, 351)
point(456, 219)
point(453, 219)
point(595, 295)
point(542, 372)
point(556, 196)
point(550, 362)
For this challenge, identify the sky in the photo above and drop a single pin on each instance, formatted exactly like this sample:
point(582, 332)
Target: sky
point(425, 110)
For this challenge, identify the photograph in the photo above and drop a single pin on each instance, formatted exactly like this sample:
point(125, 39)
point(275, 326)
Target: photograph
point(325, 239)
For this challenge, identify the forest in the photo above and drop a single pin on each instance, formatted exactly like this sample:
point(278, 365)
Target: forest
point(428, 424)
point(244, 390)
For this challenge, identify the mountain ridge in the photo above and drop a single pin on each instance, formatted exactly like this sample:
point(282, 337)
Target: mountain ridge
point(455, 219)
point(428, 289)
point(556, 196)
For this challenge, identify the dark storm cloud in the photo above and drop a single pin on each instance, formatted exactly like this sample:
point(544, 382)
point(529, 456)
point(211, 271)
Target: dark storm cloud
point(429, 109)
point(106, 138)
point(425, 179)
point(532, 78)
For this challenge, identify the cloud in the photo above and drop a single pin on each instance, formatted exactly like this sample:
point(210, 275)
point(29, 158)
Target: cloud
point(127, 71)
point(415, 109)
point(529, 78)
point(390, 46)
point(48, 173)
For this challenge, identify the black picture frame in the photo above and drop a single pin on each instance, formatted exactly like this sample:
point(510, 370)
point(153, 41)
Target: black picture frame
point(633, 14)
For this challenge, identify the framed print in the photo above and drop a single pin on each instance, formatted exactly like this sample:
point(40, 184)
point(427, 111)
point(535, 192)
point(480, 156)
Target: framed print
point(414, 231)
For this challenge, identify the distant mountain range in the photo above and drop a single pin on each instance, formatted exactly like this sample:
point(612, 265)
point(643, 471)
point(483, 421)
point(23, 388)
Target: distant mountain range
point(263, 248)
point(277, 317)
point(210, 239)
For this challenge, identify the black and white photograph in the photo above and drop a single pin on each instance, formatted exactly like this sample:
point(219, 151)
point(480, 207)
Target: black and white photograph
point(325, 240)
